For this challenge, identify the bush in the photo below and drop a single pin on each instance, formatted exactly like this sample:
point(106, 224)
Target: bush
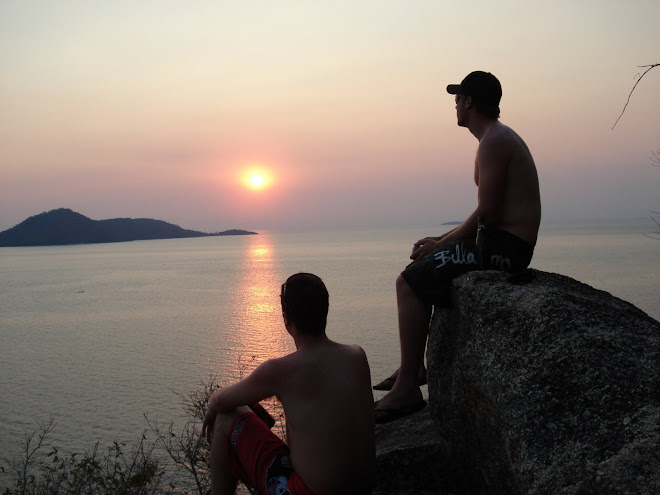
point(163, 461)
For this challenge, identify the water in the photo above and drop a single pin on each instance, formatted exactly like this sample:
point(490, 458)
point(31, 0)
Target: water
point(99, 335)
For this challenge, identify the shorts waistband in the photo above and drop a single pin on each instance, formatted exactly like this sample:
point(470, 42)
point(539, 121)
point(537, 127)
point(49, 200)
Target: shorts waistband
point(502, 235)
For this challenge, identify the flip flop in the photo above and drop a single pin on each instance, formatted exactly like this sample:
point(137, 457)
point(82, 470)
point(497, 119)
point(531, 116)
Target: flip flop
point(387, 414)
point(388, 383)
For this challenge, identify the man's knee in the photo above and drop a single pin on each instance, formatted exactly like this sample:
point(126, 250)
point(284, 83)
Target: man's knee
point(225, 420)
point(400, 282)
point(403, 287)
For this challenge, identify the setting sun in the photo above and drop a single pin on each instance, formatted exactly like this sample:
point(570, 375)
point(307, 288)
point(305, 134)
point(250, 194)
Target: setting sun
point(256, 179)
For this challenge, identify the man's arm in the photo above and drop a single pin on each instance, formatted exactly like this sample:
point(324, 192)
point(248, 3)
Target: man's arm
point(493, 157)
point(426, 240)
point(430, 244)
point(258, 385)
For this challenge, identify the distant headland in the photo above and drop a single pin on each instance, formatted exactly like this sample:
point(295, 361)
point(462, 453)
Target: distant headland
point(64, 226)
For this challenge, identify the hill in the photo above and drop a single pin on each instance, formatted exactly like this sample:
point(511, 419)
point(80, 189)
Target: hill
point(64, 226)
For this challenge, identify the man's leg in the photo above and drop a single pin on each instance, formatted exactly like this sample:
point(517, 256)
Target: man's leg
point(414, 316)
point(222, 481)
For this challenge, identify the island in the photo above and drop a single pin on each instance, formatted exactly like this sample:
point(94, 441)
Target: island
point(63, 226)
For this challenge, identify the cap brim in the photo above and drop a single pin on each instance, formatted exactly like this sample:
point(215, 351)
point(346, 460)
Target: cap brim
point(454, 89)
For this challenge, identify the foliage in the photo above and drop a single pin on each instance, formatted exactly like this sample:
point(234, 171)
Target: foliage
point(164, 461)
point(187, 450)
point(115, 471)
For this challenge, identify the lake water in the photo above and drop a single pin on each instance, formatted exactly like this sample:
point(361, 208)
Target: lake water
point(99, 335)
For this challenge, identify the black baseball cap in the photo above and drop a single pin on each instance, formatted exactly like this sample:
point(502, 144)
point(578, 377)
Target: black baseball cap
point(482, 86)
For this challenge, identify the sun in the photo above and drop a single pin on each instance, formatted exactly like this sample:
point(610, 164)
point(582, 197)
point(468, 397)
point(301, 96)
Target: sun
point(256, 178)
point(257, 181)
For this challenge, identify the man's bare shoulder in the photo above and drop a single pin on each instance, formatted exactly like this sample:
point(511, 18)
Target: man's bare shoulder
point(503, 135)
point(276, 365)
point(501, 141)
point(329, 356)
point(310, 360)
point(354, 359)
point(279, 366)
point(351, 351)
point(498, 133)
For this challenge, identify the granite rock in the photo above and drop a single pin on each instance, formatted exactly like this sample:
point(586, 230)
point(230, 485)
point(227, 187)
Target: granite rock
point(412, 457)
point(544, 385)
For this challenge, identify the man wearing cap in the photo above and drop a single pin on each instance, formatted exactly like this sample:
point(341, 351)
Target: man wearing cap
point(508, 215)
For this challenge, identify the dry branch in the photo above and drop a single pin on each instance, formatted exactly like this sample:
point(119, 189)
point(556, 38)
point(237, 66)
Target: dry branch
point(648, 68)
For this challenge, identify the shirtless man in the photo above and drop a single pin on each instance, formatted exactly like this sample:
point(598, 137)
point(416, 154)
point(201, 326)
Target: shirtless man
point(509, 204)
point(325, 389)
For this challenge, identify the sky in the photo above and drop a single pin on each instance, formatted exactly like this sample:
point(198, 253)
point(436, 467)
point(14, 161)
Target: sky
point(159, 109)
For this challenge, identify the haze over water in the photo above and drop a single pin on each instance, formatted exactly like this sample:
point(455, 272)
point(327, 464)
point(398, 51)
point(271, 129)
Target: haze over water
point(98, 335)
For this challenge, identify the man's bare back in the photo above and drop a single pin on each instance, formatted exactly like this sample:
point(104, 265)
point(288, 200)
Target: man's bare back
point(508, 196)
point(517, 207)
point(325, 389)
point(326, 394)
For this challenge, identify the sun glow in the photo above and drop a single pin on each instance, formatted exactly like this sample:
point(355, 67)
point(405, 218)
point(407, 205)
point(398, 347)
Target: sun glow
point(256, 179)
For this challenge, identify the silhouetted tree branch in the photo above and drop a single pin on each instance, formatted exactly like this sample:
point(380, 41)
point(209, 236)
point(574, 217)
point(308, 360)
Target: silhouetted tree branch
point(655, 157)
point(648, 68)
point(655, 235)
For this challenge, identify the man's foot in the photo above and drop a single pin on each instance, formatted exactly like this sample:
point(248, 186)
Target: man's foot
point(385, 414)
point(388, 383)
point(398, 403)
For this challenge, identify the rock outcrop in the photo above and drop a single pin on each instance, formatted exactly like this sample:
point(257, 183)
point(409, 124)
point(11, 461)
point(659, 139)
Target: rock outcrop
point(542, 387)
point(413, 457)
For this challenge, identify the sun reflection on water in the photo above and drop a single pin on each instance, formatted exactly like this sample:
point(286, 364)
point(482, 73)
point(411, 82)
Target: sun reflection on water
point(256, 315)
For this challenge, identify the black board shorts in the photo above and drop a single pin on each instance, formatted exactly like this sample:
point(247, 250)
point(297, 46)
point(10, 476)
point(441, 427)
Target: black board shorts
point(430, 278)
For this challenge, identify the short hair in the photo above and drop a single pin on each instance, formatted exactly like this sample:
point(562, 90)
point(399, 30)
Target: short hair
point(305, 301)
point(486, 110)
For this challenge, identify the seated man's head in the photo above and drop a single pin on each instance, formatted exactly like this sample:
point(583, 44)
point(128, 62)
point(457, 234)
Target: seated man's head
point(483, 89)
point(305, 303)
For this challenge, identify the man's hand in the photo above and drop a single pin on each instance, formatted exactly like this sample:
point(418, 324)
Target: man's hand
point(430, 244)
point(425, 246)
point(209, 423)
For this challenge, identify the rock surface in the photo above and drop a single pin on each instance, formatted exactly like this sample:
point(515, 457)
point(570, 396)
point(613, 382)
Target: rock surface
point(546, 387)
point(413, 457)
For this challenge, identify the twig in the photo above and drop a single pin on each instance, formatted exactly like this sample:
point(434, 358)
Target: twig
point(648, 68)
point(655, 235)
point(655, 158)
